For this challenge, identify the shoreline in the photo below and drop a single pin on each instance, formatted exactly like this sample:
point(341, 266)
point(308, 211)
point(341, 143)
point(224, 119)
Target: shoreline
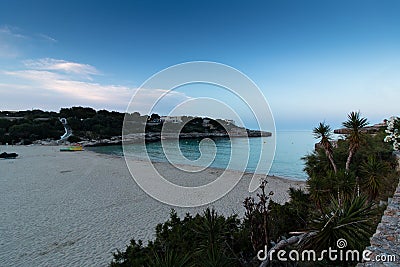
point(211, 168)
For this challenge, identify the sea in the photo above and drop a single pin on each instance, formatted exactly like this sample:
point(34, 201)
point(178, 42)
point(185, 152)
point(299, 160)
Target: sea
point(290, 147)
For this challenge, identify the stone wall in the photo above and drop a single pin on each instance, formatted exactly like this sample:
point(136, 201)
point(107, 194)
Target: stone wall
point(386, 240)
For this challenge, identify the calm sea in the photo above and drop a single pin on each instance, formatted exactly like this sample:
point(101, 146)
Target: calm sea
point(290, 147)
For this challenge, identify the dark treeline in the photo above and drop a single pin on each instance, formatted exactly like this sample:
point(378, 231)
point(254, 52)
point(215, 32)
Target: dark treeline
point(25, 127)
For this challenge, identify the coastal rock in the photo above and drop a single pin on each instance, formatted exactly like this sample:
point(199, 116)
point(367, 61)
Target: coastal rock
point(156, 136)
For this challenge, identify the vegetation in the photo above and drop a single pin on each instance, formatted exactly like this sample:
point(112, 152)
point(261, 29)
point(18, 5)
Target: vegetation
point(354, 123)
point(212, 240)
point(393, 131)
point(347, 181)
point(25, 127)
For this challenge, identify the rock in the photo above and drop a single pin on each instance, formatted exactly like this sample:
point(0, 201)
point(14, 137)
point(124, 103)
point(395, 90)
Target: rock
point(6, 155)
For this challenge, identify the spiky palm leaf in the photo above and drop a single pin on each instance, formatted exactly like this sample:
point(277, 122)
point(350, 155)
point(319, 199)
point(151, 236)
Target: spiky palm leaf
point(171, 259)
point(351, 220)
point(214, 232)
point(213, 258)
point(345, 183)
point(372, 171)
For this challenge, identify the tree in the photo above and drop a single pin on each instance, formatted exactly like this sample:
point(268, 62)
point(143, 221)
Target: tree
point(154, 117)
point(354, 123)
point(323, 131)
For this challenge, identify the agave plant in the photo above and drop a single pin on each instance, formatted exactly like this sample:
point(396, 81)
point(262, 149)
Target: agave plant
point(351, 220)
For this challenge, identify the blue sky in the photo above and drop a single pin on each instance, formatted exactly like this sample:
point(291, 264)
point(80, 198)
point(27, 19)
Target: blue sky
point(313, 60)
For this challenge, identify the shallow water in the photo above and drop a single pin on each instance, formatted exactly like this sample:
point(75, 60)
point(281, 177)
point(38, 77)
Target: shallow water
point(291, 146)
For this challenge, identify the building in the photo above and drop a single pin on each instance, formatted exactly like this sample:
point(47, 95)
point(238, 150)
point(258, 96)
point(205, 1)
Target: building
point(230, 122)
point(173, 119)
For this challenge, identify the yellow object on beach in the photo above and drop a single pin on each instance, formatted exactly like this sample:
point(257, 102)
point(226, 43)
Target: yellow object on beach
point(72, 148)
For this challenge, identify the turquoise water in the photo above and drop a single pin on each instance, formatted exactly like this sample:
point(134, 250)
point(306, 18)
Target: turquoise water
point(290, 147)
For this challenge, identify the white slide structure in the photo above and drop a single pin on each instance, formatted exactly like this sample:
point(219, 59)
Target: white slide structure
point(68, 130)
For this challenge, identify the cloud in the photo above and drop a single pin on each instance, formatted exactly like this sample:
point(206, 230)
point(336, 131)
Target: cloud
point(52, 84)
point(10, 38)
point(13, 41)
point(50, 64)
point(12, 31)
point(47, 38)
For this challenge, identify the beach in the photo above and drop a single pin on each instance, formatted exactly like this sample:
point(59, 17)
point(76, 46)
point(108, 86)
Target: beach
point(76, 208)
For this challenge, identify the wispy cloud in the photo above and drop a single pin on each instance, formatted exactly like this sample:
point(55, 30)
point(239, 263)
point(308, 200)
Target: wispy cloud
point(13, 41)
point(12, 31)
point(9, 40)
point(47, 38)
point(58, 65)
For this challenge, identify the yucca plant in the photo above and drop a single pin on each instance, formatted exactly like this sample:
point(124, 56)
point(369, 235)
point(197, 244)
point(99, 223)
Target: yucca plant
point(324, 133)
point(372, 171)
point(345, 184)
point(354, 123)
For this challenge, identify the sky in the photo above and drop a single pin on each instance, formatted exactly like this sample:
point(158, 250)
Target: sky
point(313, 60)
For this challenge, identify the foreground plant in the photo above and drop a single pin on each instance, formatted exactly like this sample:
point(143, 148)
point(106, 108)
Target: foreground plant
point(354, 123)
point(350, 221)
point(393, 131)
point(324, 132)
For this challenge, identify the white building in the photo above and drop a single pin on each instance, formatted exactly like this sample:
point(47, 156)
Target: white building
point(230, 122)
point(173, 119)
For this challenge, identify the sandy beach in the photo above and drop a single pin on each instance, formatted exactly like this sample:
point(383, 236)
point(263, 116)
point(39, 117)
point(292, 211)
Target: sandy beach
point(75, 209)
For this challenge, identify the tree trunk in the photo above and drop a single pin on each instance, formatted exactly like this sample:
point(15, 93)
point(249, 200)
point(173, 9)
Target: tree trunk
point(351, 153)
point(330, 157)
point(286, 242)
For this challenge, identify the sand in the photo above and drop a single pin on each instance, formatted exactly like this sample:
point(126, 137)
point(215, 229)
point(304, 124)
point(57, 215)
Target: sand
point(76, 208)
